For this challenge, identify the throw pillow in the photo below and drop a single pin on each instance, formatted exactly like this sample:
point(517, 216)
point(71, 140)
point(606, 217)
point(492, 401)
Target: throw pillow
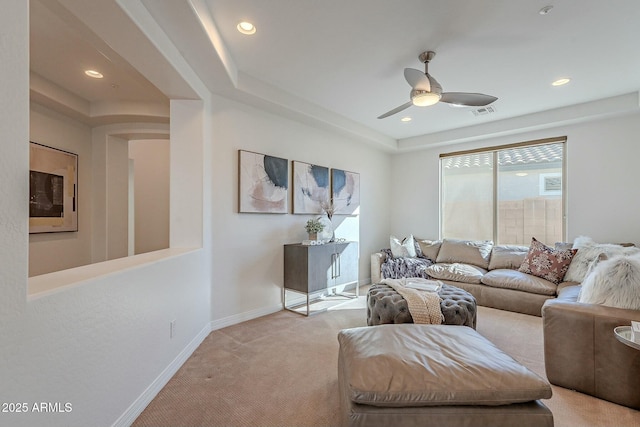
point(614, 282)
point(403, 248)
point(547, 263)
point(588, 253)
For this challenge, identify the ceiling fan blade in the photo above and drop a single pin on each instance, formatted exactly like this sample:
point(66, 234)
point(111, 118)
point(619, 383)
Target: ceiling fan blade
point(417, 79)
point(469, 99)
point(396, 110)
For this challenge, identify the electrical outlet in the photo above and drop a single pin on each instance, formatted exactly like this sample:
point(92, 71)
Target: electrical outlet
point(172, 328)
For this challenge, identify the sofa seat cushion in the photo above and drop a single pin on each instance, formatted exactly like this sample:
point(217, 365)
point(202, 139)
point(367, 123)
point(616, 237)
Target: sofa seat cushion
point(563, 285)
point(456, 272)
point(513, 279)
point(432, 365)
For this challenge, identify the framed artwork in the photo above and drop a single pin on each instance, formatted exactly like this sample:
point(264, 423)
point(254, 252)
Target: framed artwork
point(53, 186)
point(263, 183)
point(345, 191)
point(310, 187)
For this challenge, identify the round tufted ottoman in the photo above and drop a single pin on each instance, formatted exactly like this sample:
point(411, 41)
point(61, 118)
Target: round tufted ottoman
point(385, 305)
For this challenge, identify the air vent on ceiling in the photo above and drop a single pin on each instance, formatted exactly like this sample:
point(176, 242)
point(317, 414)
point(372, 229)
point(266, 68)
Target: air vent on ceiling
point(482, 111)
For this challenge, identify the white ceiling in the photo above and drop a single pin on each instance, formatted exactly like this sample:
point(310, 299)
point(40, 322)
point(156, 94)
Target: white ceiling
point(342, 61)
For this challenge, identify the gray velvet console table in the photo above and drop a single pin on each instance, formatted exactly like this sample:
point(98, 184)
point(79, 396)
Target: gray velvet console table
point(312, 269)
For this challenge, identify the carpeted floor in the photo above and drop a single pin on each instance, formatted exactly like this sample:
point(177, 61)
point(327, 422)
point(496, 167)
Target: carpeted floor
point(281, 370)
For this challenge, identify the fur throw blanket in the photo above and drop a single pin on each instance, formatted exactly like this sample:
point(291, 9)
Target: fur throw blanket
point(587, 256)
point(614, 282)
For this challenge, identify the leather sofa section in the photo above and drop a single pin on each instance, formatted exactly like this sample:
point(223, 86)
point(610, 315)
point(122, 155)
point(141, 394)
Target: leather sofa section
point(432, 365)
point(456, 272)
point(504, 299)
point(377, 258)
point(507, 256)
point(465, 251)
point(527, 414)
point(513, 279)
point(582, 352)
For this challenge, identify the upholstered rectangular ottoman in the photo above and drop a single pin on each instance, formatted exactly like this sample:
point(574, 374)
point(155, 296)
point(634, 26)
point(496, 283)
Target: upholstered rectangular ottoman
point(435, 375)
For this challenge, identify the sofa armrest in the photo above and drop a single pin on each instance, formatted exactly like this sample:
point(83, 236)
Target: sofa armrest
point(377, 258)
point(582, 353)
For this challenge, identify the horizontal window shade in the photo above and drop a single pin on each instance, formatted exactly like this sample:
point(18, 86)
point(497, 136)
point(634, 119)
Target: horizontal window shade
point(520, 198)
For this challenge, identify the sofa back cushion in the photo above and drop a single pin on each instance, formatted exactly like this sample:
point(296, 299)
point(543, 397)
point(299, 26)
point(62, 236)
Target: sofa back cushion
point(507, 256)
point(465, 252)
point(429, 248)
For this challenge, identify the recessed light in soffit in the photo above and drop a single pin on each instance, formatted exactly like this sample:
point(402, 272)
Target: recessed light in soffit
point(246, 28)
point(94, 74)
point(561, 82)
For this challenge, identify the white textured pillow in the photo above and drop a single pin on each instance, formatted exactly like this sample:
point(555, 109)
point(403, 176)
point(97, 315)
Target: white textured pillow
point(403, 249)
point(614, 282)
point(588, 252)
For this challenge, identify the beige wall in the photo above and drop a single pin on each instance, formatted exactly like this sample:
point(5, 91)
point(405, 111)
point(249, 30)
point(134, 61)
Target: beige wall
point(248, 248)
point(102, 192)
point(151, 194)
point(58, 251)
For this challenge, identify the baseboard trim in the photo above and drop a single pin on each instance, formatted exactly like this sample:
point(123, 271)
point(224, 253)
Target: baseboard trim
point(136, 408)
point(243, 317)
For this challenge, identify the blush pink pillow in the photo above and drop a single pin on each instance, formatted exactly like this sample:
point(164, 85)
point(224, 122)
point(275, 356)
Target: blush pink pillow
point(547, 263)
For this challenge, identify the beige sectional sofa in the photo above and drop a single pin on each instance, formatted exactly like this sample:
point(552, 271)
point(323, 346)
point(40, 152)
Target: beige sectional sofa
point(489, 272)
point(581, 350)
point(582, 353)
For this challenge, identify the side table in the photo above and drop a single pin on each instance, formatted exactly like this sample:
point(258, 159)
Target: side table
point(624, 335)
point(311, 269)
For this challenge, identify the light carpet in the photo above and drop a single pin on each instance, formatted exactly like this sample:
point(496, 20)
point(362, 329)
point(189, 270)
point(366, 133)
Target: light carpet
point(281, 370)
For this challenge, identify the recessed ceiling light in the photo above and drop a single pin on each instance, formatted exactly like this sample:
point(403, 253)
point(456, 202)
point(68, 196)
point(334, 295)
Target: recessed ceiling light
point(522, 174)
point(93, 73)
point(561, 82)
point(246, 28)
point(405, 119)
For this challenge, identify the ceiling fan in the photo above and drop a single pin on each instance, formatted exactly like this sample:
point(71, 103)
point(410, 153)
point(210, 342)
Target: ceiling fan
point(425, 90)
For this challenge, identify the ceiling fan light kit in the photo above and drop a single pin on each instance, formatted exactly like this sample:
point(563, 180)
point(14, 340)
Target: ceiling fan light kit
point(422, 98)
point(426, 91)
